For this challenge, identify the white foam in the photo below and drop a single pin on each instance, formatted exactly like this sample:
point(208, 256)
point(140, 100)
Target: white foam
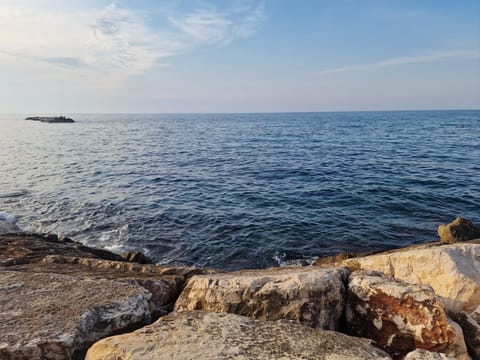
point(4, 216)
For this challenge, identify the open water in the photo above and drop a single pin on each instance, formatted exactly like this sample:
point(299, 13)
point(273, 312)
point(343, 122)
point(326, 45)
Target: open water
point(242, 190)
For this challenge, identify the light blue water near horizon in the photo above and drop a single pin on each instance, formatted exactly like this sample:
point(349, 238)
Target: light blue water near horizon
point(242, 190)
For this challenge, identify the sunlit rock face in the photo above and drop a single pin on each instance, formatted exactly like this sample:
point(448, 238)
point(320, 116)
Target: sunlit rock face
point(451, 270)
point(308, 295)
point(400, 317)
point(204, 336)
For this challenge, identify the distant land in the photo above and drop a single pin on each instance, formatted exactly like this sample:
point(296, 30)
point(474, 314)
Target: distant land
point(50, 119)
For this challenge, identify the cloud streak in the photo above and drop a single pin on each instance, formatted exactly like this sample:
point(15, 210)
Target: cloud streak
point(115, 40)
point(427, 58)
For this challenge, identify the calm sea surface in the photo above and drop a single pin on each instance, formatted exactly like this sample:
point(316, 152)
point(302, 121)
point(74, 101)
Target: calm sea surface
point(236, 191)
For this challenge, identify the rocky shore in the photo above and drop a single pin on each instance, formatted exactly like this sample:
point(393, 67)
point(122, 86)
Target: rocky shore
point(63, 300)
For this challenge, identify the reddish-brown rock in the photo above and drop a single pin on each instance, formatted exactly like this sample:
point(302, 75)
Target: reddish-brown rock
point(400, 317)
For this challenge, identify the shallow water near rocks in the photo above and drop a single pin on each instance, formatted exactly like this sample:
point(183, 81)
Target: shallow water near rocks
point(242, 190)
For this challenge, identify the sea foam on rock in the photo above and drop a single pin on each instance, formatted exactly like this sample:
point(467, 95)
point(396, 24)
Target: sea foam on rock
point(308, 295)
point(205, 336)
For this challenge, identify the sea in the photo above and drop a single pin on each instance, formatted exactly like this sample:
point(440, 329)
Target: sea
point(235, 191)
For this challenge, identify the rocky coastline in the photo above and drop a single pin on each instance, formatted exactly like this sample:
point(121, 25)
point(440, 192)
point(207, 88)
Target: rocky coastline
point(63, 300)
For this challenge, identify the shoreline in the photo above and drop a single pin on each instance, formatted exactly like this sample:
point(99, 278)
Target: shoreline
point(385, 297)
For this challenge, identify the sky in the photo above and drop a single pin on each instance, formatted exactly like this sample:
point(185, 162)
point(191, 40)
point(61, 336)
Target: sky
point(154, 56)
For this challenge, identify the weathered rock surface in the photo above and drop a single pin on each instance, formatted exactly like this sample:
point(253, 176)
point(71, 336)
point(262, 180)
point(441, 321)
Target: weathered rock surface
point(164, 288)
point(451, 270)
point(420, 354)
point(309, 295)
point(470, 324)
point(400, 317)
point(214, 336)
point(55, 316)
point(18, 249)
point(459, 229)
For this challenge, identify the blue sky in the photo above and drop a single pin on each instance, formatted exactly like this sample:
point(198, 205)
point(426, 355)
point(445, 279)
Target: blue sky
point(238, 55)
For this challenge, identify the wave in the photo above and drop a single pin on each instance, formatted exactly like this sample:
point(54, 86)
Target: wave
point(9, 218)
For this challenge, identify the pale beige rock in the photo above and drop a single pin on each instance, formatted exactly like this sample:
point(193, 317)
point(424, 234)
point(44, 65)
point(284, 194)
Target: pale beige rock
point(55, 316)
point(451, 270)
point(400, 317)
point(420, 354)
point(214, 336)
point(310, 295)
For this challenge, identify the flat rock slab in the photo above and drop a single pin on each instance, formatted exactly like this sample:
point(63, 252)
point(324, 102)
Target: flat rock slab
point(53, 316)
point(213, 336)
point(400, 317)
point(164, 288)
point(451, 270)
point(16, 249)
point(310, 295)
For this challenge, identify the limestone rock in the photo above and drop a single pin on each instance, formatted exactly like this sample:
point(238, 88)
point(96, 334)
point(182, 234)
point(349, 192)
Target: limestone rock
point(309, 295)
point(18, 249)
point(214, 336)
point(471, 329)
point(400, 317)
point(164, 288)
point(459, 229)
point(420, 354)
point(54, 316)
point(451, 270)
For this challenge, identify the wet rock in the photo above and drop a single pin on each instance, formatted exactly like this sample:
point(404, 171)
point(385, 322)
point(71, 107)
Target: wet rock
point(459, 229)
point(451, 270)
point(312, 296)
point(57, 316)
point(18, 249)
point(470, 324)
point(199, 335)
point(420, 354)
point(136, 256)
point(400, 317)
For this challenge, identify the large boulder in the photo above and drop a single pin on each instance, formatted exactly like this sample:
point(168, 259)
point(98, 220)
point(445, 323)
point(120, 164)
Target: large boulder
point(309, 295)
point(451, 270)
point(57, 316)
point(400, 317)
point(459, 229)
point(163, 288)
point(214, 336)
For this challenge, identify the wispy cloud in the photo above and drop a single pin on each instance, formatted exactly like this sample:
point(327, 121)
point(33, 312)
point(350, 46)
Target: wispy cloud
point(426, 58)
point(213, 26)
point(115, 40)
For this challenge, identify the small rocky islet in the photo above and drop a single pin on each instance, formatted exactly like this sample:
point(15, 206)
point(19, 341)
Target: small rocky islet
point(51, 119)
point(63, 300)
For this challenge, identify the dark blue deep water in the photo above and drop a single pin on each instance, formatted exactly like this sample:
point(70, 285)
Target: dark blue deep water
point(236, 191)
